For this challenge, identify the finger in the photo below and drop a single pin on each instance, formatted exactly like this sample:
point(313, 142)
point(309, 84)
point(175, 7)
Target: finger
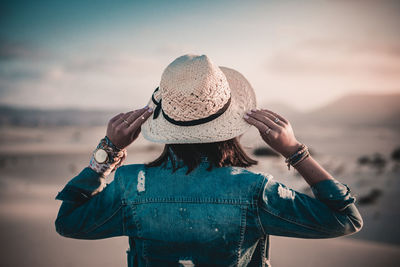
point(126, 115)
point(266, 133)
point(116, 117)
point(140, 120)
point(264, 119)
point(121, 119)
point(277, 115)
point(125, 119)
point(273, 118)
point(136, 114)
point(259, 125)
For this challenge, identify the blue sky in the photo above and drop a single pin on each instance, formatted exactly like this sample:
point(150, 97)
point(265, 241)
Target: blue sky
point(110, 54)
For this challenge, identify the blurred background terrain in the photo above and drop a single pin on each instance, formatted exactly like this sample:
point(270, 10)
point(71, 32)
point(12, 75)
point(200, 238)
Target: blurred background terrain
point(332, 68)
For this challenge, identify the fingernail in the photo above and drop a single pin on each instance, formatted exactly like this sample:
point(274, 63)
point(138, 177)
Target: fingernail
point(150, 110)
point(245, 116)
point(249, 112)
point(146, 107)
point(253, 110)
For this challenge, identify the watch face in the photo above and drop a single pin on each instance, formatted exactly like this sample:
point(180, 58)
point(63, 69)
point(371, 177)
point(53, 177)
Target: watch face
point(100, 155)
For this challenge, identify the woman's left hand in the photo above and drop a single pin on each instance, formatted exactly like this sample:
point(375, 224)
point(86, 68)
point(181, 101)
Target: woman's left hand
point(275, 130)
point(124, 128)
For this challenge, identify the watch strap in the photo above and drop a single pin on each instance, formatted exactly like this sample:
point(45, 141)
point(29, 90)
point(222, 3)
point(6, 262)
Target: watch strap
point(115, 158)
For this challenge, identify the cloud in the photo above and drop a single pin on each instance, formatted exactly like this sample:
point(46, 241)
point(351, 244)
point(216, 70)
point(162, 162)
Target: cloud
point(372, 48)
point(103, 81)
point(118, 64)
point(11, 50)
point(173, 49)
point(331, 58)
point(19, 74)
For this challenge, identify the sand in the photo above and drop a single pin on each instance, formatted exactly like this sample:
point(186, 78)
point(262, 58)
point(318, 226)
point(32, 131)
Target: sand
point(36, 164)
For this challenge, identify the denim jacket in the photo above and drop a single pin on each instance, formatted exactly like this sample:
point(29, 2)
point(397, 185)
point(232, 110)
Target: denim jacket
point(221, 217)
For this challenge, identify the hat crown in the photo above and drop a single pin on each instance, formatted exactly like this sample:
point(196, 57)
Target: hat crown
point(192, 87)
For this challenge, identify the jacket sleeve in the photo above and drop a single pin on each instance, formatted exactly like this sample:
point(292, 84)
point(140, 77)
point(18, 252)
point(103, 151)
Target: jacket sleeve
point(285, 212)
point(90, 208)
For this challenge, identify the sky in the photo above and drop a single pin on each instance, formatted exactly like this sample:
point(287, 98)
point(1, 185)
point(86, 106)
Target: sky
point(111, 54)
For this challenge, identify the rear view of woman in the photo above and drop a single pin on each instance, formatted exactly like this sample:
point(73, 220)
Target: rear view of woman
point(197, 204)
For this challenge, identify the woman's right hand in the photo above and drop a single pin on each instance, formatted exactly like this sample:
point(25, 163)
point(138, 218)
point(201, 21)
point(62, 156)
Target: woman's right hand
point(124, 128)
point(275, 130)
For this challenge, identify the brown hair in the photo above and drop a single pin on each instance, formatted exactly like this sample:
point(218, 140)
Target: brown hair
point(219, 154)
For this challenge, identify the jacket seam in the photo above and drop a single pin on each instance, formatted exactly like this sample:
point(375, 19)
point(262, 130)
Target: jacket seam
point(257, 208)
point(123, 220)
point(224, 201)
point(144, 249)
point(243, 225)
point(296, 222)
point(121, 188)
point(266, 252)
point(300, 224)
point(98, 225)
point(137, 222)
point(262, 252)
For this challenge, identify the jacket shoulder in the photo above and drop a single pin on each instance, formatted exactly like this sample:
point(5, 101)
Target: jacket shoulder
point(244, 173)
point(247, 181)
point(126, 169)
point(125, 175)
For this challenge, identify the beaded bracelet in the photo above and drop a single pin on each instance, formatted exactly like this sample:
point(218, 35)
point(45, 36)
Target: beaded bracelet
point(303, 157)
point(301, 154)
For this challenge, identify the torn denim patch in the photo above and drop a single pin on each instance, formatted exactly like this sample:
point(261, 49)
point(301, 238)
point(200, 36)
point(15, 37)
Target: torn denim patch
point(141, 181)
point(186, 263)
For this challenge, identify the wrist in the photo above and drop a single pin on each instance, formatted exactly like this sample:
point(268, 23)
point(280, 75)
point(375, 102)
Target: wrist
point(297, 157)
point(290, 150)
point(110, 144)
point(106, 157)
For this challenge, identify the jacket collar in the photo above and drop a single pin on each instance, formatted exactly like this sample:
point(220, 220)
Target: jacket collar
point(179, 162)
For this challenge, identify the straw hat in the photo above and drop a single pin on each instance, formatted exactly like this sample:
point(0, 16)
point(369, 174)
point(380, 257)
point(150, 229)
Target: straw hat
point(198, 102)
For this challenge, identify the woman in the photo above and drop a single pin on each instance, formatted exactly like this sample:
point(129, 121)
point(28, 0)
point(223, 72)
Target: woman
point(197, 204)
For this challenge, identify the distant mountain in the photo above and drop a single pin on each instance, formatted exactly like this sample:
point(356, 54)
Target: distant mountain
point(351, 110)
point(60, 117)
point(359, 109)
point(282, 109)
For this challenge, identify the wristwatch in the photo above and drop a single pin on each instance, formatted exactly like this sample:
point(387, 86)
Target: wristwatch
point(106, 157)
point(100, 155)
point(105, 151)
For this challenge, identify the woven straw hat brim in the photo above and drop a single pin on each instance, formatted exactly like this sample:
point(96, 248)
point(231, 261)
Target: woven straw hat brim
point(227, 126)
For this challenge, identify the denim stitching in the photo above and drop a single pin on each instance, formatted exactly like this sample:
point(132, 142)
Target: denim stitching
point(293, 220)
point(192, 200)
point(300, 224)
point(124, 217)
point(242, 231)
point(144, 249)
point(262, 245)
point(266, 254)
point(137, 222)
point(95, 226)
point(117, 179)
point(258, 220)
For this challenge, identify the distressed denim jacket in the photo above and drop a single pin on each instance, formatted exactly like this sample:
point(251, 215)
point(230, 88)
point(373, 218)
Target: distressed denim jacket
point(221, 217)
